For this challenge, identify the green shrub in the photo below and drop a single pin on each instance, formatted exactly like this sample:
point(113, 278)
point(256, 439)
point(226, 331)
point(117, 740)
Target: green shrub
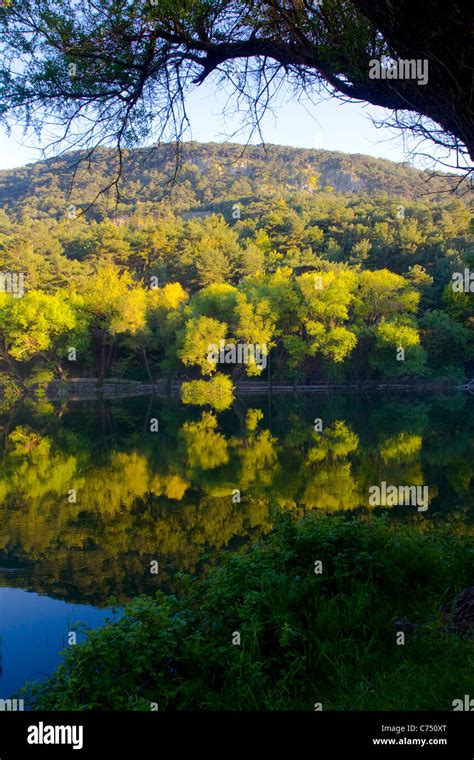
point(305, 637)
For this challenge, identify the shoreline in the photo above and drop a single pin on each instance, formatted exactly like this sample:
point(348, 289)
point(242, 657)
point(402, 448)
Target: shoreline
point(86, 388)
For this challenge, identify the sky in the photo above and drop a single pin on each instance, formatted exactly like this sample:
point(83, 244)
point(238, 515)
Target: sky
point(327, 125)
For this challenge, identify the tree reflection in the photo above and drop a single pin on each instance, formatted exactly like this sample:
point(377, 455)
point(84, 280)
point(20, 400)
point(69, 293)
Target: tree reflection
point(142, 496)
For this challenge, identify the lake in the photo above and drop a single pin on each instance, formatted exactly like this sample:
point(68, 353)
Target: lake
point(103, 500)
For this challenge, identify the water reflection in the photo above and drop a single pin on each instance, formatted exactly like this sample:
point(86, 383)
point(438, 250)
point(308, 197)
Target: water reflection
point(204, 482)
point(33, 631)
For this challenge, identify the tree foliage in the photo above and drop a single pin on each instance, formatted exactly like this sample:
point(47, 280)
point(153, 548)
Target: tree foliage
point(121, 71)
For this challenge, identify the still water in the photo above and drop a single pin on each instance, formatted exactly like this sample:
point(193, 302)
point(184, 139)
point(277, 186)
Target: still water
point(91, 499)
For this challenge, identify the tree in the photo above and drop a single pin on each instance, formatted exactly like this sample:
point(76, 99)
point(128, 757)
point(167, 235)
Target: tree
point(165, 319)
point(326, 300)
point(109, 244)
point(198, 338)
point(213, 246)
point(218, 300)
point(34, 326)
point(397, 351)
point(383, 294)
point(256, 324)
point(126, 67)
point(283, 298)
point(445, 340)
point(107, 302)
point(130, 321)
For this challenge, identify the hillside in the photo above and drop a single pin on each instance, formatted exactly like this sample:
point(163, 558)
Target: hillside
point(334, 262)
point(209, 174)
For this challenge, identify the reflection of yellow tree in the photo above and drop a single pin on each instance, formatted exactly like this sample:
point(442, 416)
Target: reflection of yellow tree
point(333, 487)
point(400, 455)
point(403, 446)
point(33, 470)
point(335, 442)
point(214, 522)
point(124, 480)
point(171, 485)
point(217, 393)
point(123, 505)
point(33, 504)
point(252, 418)
point(243, 461)
point(258, 459)
point(128, 503)
point(395, 461)
point(206, 448)
point(322, 478)
point(134, 504)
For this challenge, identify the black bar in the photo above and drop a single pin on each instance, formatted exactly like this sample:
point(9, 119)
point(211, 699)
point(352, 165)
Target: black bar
point(309, 735)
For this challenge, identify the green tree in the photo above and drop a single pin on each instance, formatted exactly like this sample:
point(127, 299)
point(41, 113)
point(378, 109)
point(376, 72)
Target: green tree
point(398, 351)
point(382, 294)
point(33, 327)
point(197, 339)
point(106, 301)
point(447, 342)
point(128, 56)
point(325, 307)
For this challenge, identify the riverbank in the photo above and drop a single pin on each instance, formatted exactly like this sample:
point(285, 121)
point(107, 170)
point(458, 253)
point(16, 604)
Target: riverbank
point(79, 389)
point(325, 614)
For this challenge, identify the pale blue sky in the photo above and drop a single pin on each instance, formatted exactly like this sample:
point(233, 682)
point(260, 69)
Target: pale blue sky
point(329, 125)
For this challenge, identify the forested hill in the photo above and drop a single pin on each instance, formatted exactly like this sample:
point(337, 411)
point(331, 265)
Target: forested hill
point(210, 175)
point(334, 262)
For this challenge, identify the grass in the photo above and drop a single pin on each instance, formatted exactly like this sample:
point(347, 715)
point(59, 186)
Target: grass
point(305, 638)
